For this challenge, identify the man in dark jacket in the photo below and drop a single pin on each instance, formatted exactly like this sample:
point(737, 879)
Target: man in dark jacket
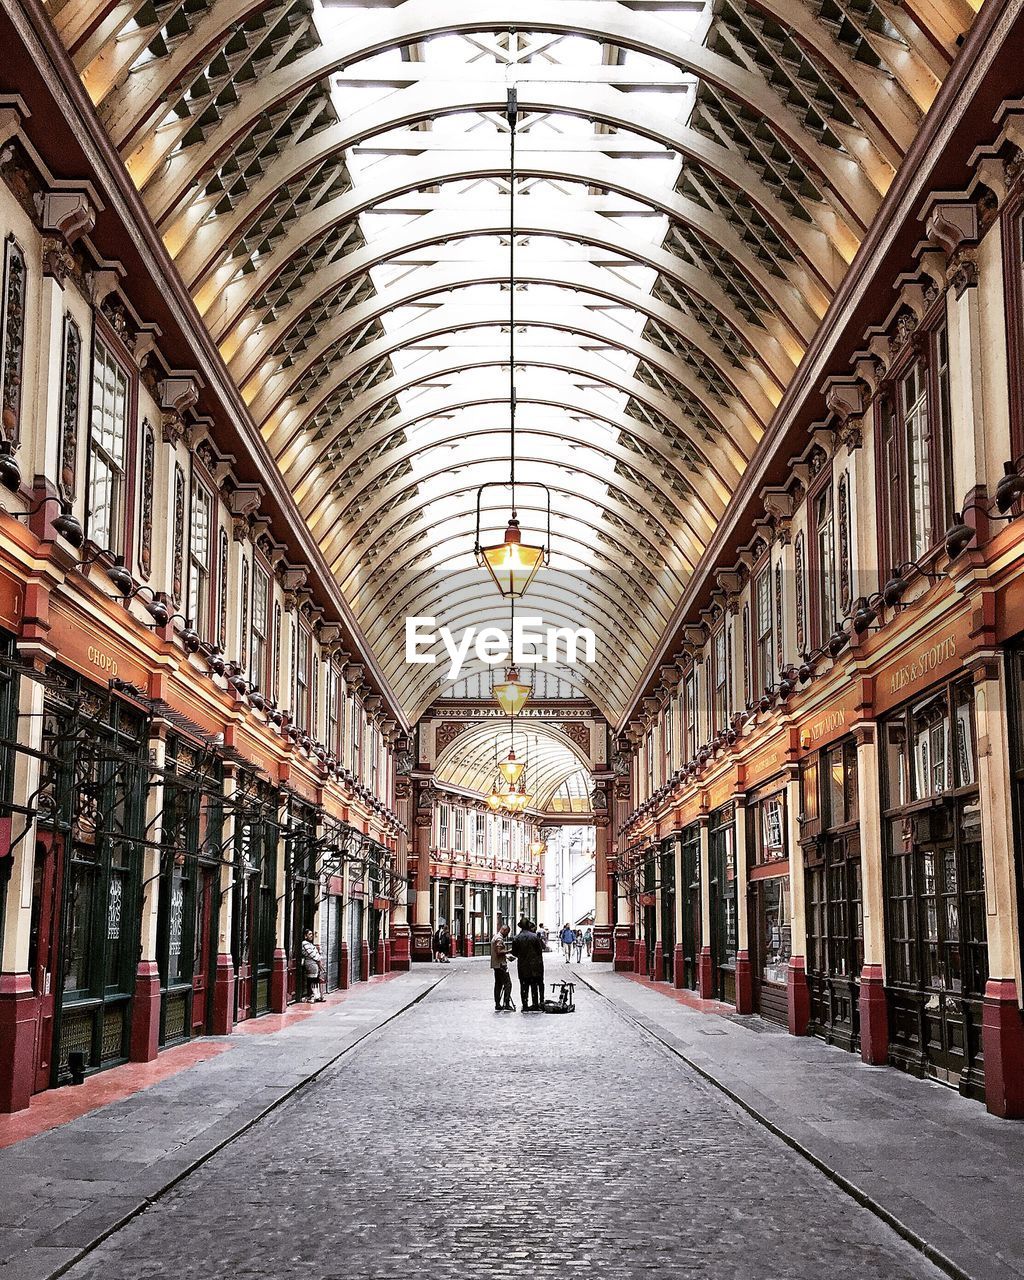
point(528, 950)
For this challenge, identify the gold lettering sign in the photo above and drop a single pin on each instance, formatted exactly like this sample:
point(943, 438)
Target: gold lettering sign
point(104, 661)
point(826, 727)
point(926, 661)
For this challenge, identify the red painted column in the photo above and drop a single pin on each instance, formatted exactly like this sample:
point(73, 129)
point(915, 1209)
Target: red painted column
point(798, 997)
point(640, 957)
point(145, 1041)
point(659, 961)
point(678, 973)
point(279, 982)
point(874, 1017)
point(364, 961)
point(18, 1012)
point(380, 958)
point(705, 975)
point(401, 950)
point(343, 977)
point(623, 948)
point(1002, 1041)
point(223, 1020)
point(744, 983)
point(604, 946)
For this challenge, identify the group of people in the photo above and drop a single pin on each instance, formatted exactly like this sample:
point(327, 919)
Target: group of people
point(527, 949)
point(576, 940)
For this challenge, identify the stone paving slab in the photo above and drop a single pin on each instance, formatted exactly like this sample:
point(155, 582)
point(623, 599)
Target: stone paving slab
point(65, 1189)
point(947, 1171)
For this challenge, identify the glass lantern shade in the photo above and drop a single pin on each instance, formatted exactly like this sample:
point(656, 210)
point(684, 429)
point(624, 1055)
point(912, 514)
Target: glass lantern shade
point(512, 563)
point(512, 769)
point(537, 847)
point(511, 693)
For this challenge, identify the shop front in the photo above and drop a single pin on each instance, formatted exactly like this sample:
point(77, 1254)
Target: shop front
point(190, 857)
point(687, 972)
point(87, 880)
point(768, 897)
point(301, 888)
point(665, 959)
point(935, 919)
point(722, 887)
point(254, 905)
point(481, 917)
point(830, 839)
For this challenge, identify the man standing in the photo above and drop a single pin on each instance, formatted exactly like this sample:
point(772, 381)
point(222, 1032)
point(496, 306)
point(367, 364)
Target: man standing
point(529, 952)
point(502, 977)
point(566, 938)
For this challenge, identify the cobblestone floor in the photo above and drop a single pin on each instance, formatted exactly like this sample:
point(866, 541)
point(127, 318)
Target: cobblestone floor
point(461, 1143)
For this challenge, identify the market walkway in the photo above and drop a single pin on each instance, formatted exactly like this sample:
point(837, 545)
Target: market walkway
point(450, 1142)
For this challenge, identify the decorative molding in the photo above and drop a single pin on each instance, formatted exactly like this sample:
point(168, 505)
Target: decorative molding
point(70, 408)
point(178, 566)
point(12, 338)
point(146, 499)
point(845, 558)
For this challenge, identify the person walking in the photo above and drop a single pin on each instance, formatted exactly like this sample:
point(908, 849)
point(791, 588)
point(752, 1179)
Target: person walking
point(442, 943)
point(566, 938)
point(577, 942)
point(588, 940)
point(312, 964)
point(529, 953)
point(502, 977)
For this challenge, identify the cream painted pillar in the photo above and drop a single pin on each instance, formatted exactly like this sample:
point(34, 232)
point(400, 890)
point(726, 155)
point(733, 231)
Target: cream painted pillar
point(18, 907)
point(744, 973)
point(677, 958)
point(19, 1006)
point(705, 973)
point(874, 1018)
point(145, 1037)
point(1002, 1029)
point(279, 966)
point(224, 983)
point(797, 993)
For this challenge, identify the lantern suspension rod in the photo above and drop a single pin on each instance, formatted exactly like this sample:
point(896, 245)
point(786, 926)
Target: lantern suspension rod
point(511, 115)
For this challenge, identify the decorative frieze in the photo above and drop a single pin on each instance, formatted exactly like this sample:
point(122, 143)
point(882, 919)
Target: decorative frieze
point(70, 407)
point(146, 505)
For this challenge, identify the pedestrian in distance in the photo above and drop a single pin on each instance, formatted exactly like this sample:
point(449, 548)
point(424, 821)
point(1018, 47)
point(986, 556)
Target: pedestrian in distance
point(577, 942)
point(588, 940)
point(442, 944)
point(566, 938)
point(312, 965)
point(529, 953)
point(502, 977)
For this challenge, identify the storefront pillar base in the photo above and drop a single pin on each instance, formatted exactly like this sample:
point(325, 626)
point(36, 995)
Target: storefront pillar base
point(604, 946)
point(364, 962)
point(279, 982)
point(19, 1009)
point(798, 997)
point(343, 976)
point(744, 983)
point(1002, 1039)
point(678, 970)
point(874, 1017)
point(623, 950)
point(223, 997)
point(401, 949)
point(640, 958)
point(145, 1043)
point(467, 946)
point(658, 967)
point(380, 958)
point(421, 936)
point(706, 975)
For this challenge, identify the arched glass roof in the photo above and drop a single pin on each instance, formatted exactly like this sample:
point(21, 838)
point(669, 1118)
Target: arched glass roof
point(693, 180)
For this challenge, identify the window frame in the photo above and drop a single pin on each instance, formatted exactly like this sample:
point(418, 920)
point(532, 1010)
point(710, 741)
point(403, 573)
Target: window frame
point(820, 629)
point(204, 601)
point(261, 643)
point(122, 518)
point(764, 640)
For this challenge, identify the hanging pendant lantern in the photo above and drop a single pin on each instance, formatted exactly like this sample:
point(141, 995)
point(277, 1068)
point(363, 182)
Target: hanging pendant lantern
point(511, 693)
point(511, 768)
point(512, 563)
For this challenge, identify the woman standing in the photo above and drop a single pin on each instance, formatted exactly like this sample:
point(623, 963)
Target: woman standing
point(312, 963)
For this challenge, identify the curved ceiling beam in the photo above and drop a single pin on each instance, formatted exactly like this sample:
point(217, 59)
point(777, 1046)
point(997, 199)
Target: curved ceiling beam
point(342, 536)
point(252, 341)
point(302, 465)
point(301, 457)
point(336, 527)
point(749, 384)
point(436, 323)
point(233, 297)
point(166, 180)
